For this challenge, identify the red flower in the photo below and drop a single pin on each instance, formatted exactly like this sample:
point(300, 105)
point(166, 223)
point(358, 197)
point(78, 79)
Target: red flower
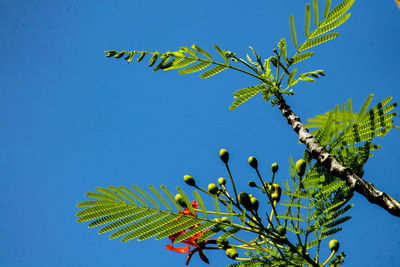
point(191, 241)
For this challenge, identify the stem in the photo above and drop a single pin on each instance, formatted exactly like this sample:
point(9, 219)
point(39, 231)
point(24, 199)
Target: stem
point(233, 183)
point(329, 258)
point(272, 213)
point(270, 199)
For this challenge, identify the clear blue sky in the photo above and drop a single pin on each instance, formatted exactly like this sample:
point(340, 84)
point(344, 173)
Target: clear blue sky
point(72, 120)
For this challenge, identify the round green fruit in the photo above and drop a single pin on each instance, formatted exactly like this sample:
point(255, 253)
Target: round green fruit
point(252, 184)
point(221, 181)
point(212, 189)
point(301, 166)
point(274, 167)
point(179, 200)
point(244, 199)
point(254, 203)
point(224, 155)
point(334, 245)
point(189, 180)
point(253, 162)
point(232, 253)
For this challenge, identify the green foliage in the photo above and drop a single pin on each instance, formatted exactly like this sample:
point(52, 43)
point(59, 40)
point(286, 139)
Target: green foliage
point(315, 202)
point(121, 213)
point(348, 135)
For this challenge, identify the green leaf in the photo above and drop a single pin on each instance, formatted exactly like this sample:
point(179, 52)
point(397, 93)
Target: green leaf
point(189, 51)
point(300, 57)
point(160, 197)
point(317, 41)
point(186, 199)
point(141, 57)
point(181, 63)
point(338, 11)
point(171, 197)
point(315, 12)
point(123, 193)
point(134, 195)
point(293, 32)
point(307, 20)
point(198, 67)
point(327, 7)
point(146, 195)
point(222, 54)
point(211, 72)
point(201, 51)
point(330, 26)
point(201, 203)
point(242, 95)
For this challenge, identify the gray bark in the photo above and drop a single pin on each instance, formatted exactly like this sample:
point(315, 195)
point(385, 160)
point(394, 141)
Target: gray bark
point(355, 183)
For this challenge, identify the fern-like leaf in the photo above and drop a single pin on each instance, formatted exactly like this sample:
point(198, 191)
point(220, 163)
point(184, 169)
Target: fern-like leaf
point(293, 32)
point(300, 57)
point(307, 20)
point(211, 72)
point(317, 41)
point(195, 68)
point(242, 95)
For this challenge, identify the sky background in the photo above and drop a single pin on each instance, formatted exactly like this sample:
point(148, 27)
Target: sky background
point(72, 120)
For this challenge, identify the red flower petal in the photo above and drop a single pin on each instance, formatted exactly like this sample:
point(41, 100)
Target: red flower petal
point(179, 250)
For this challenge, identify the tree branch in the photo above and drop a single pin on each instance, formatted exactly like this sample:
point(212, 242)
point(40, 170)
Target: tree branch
point(357, 184)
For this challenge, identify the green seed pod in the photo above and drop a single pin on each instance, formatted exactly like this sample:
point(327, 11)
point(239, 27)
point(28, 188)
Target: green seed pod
point(276, 195)
point(179, 200)
point(253, 162)
point(221, 181)
point(274, 167)
point(254, 203)
point(252, 184)
point(212, 189)
point(232, 253)
point(189, 180)
point(244, 199)
point(301, 166)
point(224, 155)
point(334, 245)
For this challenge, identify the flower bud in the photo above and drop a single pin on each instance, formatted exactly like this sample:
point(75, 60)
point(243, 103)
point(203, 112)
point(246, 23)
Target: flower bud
point(244, 199)
point(334, 245)
point(189, 180)
point(253, 162)
point(276, 195)
point(225, 220)
point(221, 181)
point(232, 253)
point(224, 155)
point(274, 167)
point(254, 203)
point(212, 189)
point(252, 184)
point(179, 200)
point(301, 166)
